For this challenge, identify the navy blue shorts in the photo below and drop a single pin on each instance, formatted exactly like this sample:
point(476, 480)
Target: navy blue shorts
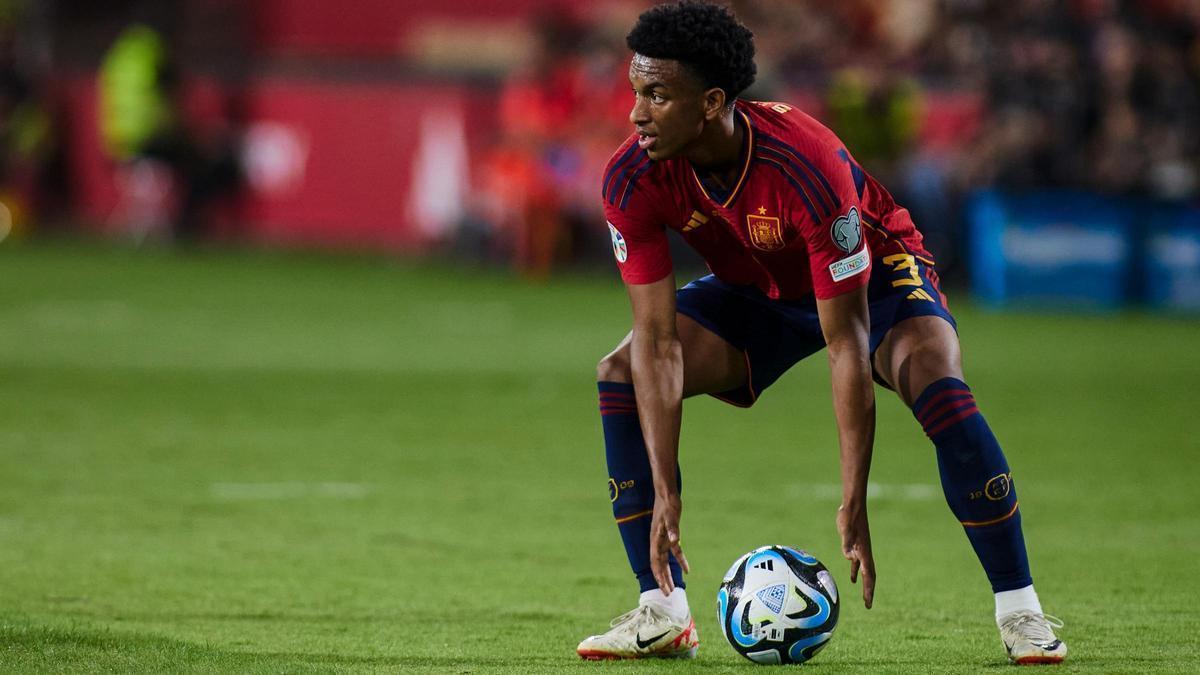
point(776, 334)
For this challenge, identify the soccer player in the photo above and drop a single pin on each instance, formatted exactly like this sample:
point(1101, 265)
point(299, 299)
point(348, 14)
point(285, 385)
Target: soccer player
point(806, 251)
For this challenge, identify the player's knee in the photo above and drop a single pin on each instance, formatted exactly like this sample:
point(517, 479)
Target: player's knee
point(928, 362)
point(615, 367)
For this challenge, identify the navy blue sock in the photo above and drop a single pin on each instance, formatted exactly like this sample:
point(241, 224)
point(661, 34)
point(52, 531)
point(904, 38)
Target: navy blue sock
point(976, 480)
point(630, 481)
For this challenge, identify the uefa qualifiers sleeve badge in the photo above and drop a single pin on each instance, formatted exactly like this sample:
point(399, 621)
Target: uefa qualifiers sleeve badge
point(620, 250)
point(847, 231)
point(847, 235)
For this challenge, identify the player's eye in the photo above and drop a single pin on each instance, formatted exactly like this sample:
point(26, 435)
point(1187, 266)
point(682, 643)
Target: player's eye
point(657, 98)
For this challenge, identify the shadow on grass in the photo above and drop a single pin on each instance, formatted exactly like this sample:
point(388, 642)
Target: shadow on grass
point(26, 647)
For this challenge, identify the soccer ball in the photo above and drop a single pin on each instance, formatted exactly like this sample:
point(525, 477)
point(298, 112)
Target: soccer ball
point(777, 604)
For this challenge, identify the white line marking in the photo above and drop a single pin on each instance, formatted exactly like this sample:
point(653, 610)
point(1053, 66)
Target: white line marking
point(237, 492)
point(904, 492)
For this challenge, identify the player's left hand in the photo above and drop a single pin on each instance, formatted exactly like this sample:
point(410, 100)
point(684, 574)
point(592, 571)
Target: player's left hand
point(664, 540)
point(856, 547)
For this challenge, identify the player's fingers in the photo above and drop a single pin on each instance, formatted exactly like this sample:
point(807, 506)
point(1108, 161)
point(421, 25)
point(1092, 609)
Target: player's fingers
point(854, 563)
point(665, 583)
point(681, 558)
point(868, 575)
point(660, 568)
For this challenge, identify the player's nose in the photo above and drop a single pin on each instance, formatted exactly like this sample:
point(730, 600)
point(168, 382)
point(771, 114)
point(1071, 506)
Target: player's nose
point(639, 115)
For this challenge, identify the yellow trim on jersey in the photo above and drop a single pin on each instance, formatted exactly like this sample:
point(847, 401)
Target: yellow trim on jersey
point(745, 169)
point(888, 235)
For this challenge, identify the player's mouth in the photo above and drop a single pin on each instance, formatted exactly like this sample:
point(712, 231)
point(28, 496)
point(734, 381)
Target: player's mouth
point(646, 141)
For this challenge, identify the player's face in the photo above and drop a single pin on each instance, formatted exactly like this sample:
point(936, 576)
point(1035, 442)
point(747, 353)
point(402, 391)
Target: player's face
point(669, 106)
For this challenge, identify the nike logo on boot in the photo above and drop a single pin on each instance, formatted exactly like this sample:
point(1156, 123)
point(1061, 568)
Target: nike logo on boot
point(642, 644)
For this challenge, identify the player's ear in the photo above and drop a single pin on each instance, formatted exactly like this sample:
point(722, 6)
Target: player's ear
point(714, 103)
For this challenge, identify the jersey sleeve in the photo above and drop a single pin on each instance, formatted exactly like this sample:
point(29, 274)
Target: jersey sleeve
point(637, 226)
point(839, 258)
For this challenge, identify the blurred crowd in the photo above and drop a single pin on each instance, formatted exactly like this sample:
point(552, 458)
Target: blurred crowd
point(27, 143)
point(934, 97)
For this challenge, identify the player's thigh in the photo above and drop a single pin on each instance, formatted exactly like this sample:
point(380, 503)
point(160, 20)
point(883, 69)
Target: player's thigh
point(710, 364)
point(917, 352)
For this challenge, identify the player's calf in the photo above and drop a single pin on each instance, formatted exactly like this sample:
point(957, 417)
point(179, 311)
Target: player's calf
point(630, 480)
point(978, 486)
point(976, 480)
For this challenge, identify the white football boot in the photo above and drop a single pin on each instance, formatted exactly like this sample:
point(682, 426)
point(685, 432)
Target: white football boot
point(643, 633)
point(1029, 637)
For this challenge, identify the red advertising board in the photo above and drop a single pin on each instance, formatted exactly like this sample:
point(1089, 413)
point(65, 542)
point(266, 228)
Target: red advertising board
point(378, 164)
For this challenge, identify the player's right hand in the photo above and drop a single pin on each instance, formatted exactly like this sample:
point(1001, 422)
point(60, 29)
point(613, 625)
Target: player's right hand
point(856, 547)
point(664, 540)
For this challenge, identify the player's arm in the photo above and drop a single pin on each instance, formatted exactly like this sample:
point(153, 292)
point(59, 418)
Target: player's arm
point(845, 323)
point(656, 357)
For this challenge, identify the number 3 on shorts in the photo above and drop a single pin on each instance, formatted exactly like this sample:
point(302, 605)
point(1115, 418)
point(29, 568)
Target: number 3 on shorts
point(901, 262)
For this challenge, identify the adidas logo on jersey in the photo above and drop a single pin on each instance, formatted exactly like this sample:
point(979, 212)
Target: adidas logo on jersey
point(695, 221)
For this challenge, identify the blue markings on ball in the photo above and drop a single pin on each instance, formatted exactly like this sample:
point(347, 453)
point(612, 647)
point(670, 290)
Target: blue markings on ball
point(801, 556)
point(773, 597)
point(764, 619)
point(818, 598)
point(797, 651)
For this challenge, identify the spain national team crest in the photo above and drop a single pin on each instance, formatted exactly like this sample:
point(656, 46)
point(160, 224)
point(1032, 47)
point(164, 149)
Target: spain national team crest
point(766, 232)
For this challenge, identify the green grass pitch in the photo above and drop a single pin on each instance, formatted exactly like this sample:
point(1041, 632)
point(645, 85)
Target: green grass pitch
point(266, 463)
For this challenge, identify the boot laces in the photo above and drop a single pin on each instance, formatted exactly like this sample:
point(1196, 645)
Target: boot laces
point(1032, 625)
point(637, 615)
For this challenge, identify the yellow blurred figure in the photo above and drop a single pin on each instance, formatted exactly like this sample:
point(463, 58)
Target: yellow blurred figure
point(876, 113)
point(135, 97)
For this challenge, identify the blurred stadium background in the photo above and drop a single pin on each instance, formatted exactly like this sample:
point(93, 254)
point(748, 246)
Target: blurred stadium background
point(1045, 147)
point(300, 299)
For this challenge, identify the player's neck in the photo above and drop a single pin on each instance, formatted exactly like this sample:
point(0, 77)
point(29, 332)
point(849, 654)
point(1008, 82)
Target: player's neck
point(719, 147)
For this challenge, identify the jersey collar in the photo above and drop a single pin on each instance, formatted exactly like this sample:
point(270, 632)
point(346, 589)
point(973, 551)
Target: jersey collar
point(747, 153)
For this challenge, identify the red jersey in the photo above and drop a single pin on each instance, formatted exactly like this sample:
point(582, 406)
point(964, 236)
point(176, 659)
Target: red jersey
point(803, 218)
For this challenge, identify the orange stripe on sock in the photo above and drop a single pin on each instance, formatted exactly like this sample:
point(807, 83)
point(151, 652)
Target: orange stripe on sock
point(635, 516)
point(983, 523)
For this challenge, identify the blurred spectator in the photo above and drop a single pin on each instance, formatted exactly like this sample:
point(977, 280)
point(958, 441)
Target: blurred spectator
point(166, 174)
point(1094, 95)
point(523, 170)
point(26, 130)
point(876, 113)
point(937, 97)
point(559, 115)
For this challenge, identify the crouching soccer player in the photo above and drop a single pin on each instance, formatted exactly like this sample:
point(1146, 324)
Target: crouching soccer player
point(806, 251)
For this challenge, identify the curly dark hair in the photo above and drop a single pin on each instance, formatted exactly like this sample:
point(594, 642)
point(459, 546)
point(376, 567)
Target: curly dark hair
point(706, 38)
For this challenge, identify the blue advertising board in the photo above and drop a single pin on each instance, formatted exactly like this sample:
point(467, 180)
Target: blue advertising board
point(1055, 249)
point(1172, 259)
